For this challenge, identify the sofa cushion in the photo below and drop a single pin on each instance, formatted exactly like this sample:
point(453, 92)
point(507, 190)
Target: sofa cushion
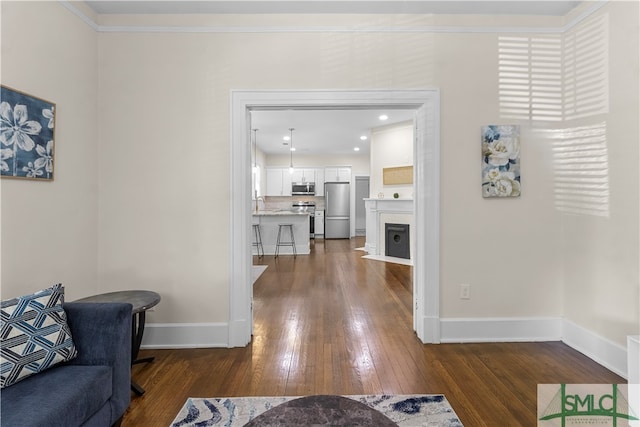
point(34, 335)
point(88, 387)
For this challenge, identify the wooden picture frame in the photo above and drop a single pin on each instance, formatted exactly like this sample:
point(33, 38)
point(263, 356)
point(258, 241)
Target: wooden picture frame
point(27, 135)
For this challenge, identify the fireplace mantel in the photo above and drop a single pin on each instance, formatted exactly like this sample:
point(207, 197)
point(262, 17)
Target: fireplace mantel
point(375, 208)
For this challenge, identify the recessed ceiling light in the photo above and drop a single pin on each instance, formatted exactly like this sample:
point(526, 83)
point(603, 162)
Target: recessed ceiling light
point(293, 149)
point(383, 117)
point(287, 138)
point(363, 137)
point(356, 148)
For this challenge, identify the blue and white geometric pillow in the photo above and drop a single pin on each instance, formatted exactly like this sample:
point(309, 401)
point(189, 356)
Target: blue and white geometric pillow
point(34, 335)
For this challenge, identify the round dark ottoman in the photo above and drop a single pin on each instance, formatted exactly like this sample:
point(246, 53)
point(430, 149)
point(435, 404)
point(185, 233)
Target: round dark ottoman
point(322, 411)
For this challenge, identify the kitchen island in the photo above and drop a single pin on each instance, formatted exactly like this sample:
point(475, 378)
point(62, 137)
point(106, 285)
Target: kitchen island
point(269, 221)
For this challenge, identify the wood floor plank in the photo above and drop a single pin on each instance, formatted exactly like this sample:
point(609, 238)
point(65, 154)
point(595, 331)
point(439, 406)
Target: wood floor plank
point(335, 323)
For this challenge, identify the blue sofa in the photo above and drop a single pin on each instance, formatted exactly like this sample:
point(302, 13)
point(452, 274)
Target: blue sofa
point(94, 389)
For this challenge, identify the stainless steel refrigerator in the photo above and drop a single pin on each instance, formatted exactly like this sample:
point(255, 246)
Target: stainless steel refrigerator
point(336, 210)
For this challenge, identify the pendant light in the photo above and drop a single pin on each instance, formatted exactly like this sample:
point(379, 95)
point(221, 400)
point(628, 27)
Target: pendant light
point(291, 150)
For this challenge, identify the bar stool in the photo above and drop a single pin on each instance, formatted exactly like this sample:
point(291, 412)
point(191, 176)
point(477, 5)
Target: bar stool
point(258, 240)
point(280, 242)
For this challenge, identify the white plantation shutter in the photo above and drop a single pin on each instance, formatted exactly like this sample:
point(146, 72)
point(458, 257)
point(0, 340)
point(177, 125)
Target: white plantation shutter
point(586, 71)
point(530, 78)
point(555, 77)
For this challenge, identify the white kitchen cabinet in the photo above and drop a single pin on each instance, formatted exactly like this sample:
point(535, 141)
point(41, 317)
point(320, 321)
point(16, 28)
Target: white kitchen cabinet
point(330, 174)
point(286, 182)
point(342, 174)
point(274, 182)
point(278, 182)
point(297, 174)
point(303, 175)
point(319, 223)
point(320, 182)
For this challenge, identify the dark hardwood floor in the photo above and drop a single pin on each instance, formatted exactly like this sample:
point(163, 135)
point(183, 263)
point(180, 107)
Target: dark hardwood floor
point(334, 323)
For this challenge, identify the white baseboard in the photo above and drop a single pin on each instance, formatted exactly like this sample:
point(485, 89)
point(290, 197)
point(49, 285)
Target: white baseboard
point(607, 353)
point(430, 330)
point(185, 335)
point(510, 329)
point(452, 330)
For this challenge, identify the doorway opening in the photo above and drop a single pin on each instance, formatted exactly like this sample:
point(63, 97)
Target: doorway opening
point(426, 103)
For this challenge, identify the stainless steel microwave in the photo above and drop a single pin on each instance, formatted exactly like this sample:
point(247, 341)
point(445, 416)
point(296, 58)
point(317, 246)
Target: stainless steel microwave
point(303, 188)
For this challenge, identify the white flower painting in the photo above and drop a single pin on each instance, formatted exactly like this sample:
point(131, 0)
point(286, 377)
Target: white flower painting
point(26, 135)
point(501, 161)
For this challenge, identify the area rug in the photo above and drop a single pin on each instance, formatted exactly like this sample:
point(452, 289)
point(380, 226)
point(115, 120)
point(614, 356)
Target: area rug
point(430, 410)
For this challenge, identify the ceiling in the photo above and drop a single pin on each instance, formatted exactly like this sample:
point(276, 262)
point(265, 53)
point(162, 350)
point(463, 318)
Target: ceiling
point(318, 132)
point(514, 7)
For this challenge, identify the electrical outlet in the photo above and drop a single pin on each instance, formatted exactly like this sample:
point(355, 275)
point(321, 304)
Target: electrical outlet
point(465, 291)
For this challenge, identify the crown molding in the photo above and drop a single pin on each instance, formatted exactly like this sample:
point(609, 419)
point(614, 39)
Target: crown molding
point(83, 17)
point(597, 5)
point(332, 29)
point(328, 29)
point(334, 7)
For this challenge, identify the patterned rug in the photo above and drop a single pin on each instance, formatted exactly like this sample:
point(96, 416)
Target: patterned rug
point(430, 410)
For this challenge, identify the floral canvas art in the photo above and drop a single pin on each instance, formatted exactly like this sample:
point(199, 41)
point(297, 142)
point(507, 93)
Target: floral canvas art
point(27, 127)
point(501, 161)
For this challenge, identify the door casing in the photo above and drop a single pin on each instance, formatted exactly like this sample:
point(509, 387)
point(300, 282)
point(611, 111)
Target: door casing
point(426, 273)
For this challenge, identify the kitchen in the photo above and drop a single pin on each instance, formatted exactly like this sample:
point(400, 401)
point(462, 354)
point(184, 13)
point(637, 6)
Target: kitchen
point(308, 167)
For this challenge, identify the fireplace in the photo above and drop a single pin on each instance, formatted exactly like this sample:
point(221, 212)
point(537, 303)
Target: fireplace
point(397, 240)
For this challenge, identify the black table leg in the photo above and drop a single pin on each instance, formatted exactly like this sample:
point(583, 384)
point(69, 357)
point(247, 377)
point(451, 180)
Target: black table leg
point(137, 330)
point(136, 388)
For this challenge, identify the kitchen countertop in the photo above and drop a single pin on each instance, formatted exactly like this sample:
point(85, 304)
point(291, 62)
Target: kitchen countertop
point(278, 212)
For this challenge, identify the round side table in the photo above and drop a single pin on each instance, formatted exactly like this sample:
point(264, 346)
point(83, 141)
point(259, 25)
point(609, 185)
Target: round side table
point(141, 302)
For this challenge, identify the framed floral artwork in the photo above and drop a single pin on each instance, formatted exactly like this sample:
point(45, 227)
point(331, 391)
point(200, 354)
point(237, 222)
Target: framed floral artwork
point(27, 126)
point(501, 161)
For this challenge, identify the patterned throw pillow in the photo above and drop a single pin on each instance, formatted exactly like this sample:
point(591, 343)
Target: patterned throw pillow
point(34, 335)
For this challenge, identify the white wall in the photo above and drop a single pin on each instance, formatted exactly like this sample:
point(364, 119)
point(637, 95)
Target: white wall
point(391, 146)
point(504, 248)
point(172, 238)
point(50, 229)
point(163, 107)
point(164, 187)
point(601, 256)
